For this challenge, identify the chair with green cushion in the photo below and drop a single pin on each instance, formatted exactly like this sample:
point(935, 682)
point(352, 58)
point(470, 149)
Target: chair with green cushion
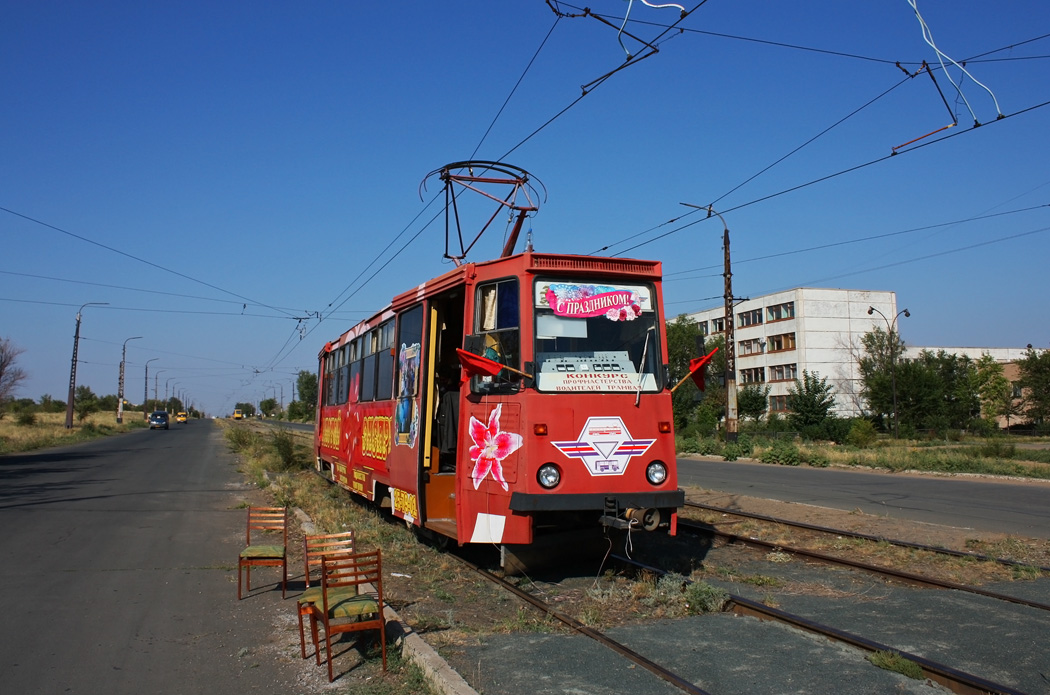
point(315, 547)
point(351, 600)
point(269, 524)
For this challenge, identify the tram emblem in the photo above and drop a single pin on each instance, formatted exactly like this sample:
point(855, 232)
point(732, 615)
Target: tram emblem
point(604, 446)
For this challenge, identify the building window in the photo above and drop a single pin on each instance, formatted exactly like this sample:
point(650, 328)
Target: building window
point(783, 372)
point(718, 325)
point(750, 318)
point(757, 375)
point(751, 347)
point(784, 341)
point(778, 404)
point(781, 312)
point(703, 327)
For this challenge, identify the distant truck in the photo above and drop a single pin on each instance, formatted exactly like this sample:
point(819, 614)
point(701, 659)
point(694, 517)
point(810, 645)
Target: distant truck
point(238, 415)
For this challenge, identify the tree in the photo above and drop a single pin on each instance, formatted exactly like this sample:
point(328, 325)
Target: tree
point(268, 406)
point(752, 401)
point(85, 402)
point(11, 376)
point(1034, 381)
point(879, 367)
point(809, 400)
point(993, 388)
point(307, 385)
point(247, 409)
point(48, 404)
point(693, 411)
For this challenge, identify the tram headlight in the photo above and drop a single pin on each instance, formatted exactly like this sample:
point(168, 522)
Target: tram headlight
point(656, 472)
point(548, 476)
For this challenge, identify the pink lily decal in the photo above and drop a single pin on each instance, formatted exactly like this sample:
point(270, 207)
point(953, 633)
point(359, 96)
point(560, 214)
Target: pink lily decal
point(490, 448)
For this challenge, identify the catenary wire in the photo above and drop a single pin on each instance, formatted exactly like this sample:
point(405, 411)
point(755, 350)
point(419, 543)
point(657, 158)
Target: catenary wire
point(140, 260)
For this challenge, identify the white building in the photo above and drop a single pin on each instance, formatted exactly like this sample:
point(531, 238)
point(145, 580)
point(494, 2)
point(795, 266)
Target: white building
point(780, 335)
point(818, 330)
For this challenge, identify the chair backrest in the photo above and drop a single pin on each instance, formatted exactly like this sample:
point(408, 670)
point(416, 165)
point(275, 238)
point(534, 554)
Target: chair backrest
point(318, 545)
point(268, 519)
point(353, 570)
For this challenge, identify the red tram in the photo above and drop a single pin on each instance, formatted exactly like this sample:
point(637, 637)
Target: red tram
point(508, 399)
point(576, 428)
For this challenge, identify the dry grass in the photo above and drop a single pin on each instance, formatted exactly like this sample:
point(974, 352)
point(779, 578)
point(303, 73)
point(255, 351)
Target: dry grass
point(50, 430)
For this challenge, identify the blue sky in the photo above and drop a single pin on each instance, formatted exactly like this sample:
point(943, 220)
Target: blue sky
point(223, 173)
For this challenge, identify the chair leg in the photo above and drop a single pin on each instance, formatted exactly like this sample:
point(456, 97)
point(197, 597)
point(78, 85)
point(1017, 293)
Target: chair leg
point(328, 646)
point(316, 638)
point(382, 635)
point(239, 566)
point(302, 635)
point(284, 580)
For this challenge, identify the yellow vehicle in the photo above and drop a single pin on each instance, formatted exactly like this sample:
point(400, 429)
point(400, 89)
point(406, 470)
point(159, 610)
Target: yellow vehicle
point(181, 417)
point(238, 415)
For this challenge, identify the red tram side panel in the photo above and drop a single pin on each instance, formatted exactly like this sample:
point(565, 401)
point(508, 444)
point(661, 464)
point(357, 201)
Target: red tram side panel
point(573, 430)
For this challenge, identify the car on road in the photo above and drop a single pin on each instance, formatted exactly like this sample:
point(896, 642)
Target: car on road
point(181, 417)
point(158, 419)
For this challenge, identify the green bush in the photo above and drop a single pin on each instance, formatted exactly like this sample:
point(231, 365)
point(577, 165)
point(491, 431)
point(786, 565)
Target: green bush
point(861, 434)
point(708, 446)
point(687, 445)
point(732, 451)
point(998, 449)
point(285, 450)
point(783, 453)
point(701, 597)
point(815, 458)
point(26, 418)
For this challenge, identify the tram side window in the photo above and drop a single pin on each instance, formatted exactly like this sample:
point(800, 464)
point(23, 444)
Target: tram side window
point(368, 365)
point(354, 373)
point(497, 333)
point(329, 380)
point(385, 368)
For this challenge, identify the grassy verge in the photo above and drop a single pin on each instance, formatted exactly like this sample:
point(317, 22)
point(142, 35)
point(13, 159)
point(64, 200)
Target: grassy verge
point(991, 456)
point(49, 430)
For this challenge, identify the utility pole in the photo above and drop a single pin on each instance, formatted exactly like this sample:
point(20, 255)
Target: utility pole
point(73, 368)
point(730, 346)
point(120, 386)
point(145, 389)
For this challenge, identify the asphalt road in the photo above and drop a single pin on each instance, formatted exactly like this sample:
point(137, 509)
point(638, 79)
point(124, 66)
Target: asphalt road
point(119, 572)
point(983, 504)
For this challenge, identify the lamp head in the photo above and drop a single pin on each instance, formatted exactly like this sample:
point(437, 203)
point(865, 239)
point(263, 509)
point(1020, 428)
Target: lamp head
point(907, 313)
point(871, 310)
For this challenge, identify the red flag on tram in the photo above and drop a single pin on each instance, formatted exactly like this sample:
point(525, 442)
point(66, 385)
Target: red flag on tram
point(476, 364)
point(696, 368)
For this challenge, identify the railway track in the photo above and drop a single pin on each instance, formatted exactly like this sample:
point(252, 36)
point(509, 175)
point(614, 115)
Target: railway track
point(897, 575)
point(618, 647)
point(863, 536)
point(955, 680)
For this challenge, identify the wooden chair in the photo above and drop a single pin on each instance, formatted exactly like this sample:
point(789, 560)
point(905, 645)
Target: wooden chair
point(314, 548)
point(265, 520)
point(342, 611)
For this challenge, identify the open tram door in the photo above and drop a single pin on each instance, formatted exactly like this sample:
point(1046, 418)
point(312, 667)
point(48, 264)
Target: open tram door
point(441, 423)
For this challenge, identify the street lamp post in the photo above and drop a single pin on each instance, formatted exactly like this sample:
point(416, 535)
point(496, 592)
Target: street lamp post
point(156, 379)
point(730, 346)
point(145, 388)
point(891, 332)
point(73, 368)
point(120, 387)
point(166, 391)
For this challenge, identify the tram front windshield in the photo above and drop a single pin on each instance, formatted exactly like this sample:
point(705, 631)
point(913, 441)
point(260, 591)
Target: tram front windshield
point(596, 337)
